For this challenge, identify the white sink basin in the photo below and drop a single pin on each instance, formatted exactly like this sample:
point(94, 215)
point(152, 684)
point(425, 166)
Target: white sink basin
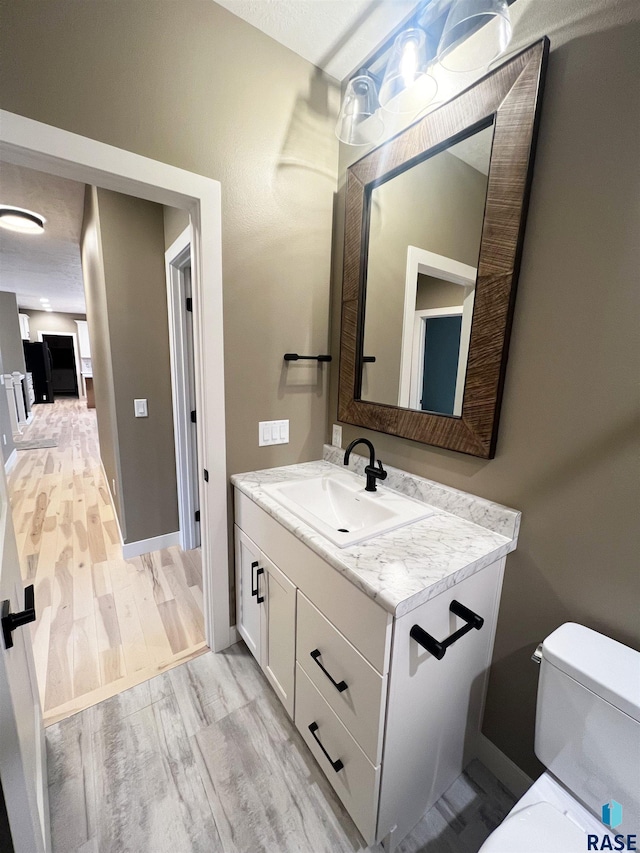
point(337, 505)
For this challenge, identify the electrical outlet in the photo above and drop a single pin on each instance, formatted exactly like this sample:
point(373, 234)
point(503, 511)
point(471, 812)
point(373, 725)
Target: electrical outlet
point(4, 438)
point(336, 437)
point(273, 432)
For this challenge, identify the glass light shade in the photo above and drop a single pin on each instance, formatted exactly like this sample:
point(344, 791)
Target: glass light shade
point(23, 221)
point(476, 32)
point(407, 85)
point(358, 123)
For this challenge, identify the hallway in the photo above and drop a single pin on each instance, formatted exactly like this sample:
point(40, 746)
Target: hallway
point(104, 623)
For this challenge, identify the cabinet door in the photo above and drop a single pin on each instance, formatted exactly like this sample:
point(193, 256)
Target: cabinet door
point(248, 604)
point(278, 632)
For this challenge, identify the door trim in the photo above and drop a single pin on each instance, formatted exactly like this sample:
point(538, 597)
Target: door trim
point(30, 143)
point(176, 258)
point(76, 354)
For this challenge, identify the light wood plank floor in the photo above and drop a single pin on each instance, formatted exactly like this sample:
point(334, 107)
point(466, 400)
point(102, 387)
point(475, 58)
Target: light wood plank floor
point(104, 623)
point(203, 759)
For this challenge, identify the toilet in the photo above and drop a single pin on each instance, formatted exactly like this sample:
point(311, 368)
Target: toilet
point(588, 737)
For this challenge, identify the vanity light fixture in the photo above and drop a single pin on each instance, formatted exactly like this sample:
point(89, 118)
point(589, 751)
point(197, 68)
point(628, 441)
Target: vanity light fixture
point(407, 85)
point(358, 122)
point(485, 28)
point(21, 220)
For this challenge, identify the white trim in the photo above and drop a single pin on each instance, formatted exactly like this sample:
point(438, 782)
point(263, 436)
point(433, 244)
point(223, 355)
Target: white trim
point(48, 149)
point(503, 768)
point(177, 256)
point(76, 353)
point(113, 502)
point(428, 263)
point(145, 546)
point(11, 461)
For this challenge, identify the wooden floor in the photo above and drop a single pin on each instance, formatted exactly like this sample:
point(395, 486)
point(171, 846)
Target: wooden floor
point(104, 623)
point(203, 759)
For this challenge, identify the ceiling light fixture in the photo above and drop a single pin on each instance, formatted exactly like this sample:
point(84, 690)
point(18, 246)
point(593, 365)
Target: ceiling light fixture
point(44, 300)
point(23, 221)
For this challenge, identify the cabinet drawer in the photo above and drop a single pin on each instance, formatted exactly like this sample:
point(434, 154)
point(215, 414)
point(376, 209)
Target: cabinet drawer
point(357, 782)
point(360, 705)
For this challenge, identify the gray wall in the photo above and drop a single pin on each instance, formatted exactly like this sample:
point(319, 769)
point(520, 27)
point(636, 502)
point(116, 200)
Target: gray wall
point(128, 328)
point(10, 338)
point(567, 451)
point(98, 324)
point(192, 85)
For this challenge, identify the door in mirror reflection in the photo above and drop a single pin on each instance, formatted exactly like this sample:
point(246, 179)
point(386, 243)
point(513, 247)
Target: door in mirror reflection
point(425, 227)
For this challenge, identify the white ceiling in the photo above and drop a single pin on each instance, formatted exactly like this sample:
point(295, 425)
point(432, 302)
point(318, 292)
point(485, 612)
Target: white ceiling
point(335, 35)
point(43, 265)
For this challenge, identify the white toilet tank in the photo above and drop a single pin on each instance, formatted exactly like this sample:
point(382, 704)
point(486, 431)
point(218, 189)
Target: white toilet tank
point(588, 719)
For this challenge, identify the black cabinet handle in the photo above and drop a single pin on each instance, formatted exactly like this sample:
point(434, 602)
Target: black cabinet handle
point(340, 686)
point(11, 621)
point(337, 765)
point(436, 647)
point(260, 598)
point(254, 586)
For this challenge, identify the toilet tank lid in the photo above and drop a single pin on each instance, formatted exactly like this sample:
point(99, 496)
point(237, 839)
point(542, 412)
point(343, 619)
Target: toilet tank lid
point(604, 666)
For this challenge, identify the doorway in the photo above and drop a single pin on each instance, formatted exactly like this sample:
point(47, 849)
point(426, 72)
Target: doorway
point(64, 376)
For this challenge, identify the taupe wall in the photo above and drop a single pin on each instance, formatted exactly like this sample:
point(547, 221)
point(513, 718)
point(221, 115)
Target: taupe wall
point(567, 451)
point(95, 291)
point(191, 84)
point(53, 321)
point(10, 338)
point(132, 234)
point(128, 327)
point(416, 208)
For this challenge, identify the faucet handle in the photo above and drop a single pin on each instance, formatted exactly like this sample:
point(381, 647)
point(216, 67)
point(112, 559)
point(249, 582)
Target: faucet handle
point(383, 474)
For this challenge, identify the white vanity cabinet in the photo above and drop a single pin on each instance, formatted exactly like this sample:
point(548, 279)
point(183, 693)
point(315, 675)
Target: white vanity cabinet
point(390, 724)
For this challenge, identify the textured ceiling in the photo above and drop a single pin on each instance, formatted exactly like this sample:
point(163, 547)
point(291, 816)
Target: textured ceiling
point(335, 35)
point(43, 265)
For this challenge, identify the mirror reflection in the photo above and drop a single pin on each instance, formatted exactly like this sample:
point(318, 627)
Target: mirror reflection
point(425, 227)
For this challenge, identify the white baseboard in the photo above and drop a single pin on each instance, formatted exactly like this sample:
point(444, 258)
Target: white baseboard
point(503, 768)
point(144, 546)
point(30, 417)
point(11, 461)
point(113, 502)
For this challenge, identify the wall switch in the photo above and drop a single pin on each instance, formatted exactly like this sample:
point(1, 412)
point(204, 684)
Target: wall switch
point(273, 432)
point(336, 436)
point(140, 408)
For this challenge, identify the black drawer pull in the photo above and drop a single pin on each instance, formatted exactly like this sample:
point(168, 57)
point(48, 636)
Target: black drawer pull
point(340, 686)
point(260, 598)
point(337, 765)
point(254, 586)
point(436, 647)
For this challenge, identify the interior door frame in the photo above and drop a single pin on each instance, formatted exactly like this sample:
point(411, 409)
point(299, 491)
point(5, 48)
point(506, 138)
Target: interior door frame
point(30, 143)
point(76, 353)
point(177, 256)
point(419, 334)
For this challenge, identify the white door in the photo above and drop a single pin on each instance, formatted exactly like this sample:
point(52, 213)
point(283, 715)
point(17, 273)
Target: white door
point(22, 748)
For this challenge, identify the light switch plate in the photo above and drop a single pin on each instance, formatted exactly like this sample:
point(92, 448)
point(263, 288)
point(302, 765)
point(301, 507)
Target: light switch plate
point(273, 432)
point(140, 408)
point(336, 436)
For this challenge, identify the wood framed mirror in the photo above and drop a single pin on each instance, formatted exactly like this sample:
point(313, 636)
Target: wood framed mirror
point(434, 229)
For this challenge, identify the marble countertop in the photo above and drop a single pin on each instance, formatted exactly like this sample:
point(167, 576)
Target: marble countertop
point(401, 569)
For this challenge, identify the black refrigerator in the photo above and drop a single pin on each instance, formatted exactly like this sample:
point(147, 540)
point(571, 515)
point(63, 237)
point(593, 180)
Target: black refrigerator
point(38, 362)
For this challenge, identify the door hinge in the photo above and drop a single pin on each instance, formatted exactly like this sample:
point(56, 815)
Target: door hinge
point(197, 515)
point(189, 302)
point(206, 476)
point(193, 416)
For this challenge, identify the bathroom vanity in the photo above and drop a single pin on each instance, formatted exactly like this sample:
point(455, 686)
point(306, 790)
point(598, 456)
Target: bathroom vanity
point(352, 638)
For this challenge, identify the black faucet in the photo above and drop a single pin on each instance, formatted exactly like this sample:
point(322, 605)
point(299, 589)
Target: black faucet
point(371, 471)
